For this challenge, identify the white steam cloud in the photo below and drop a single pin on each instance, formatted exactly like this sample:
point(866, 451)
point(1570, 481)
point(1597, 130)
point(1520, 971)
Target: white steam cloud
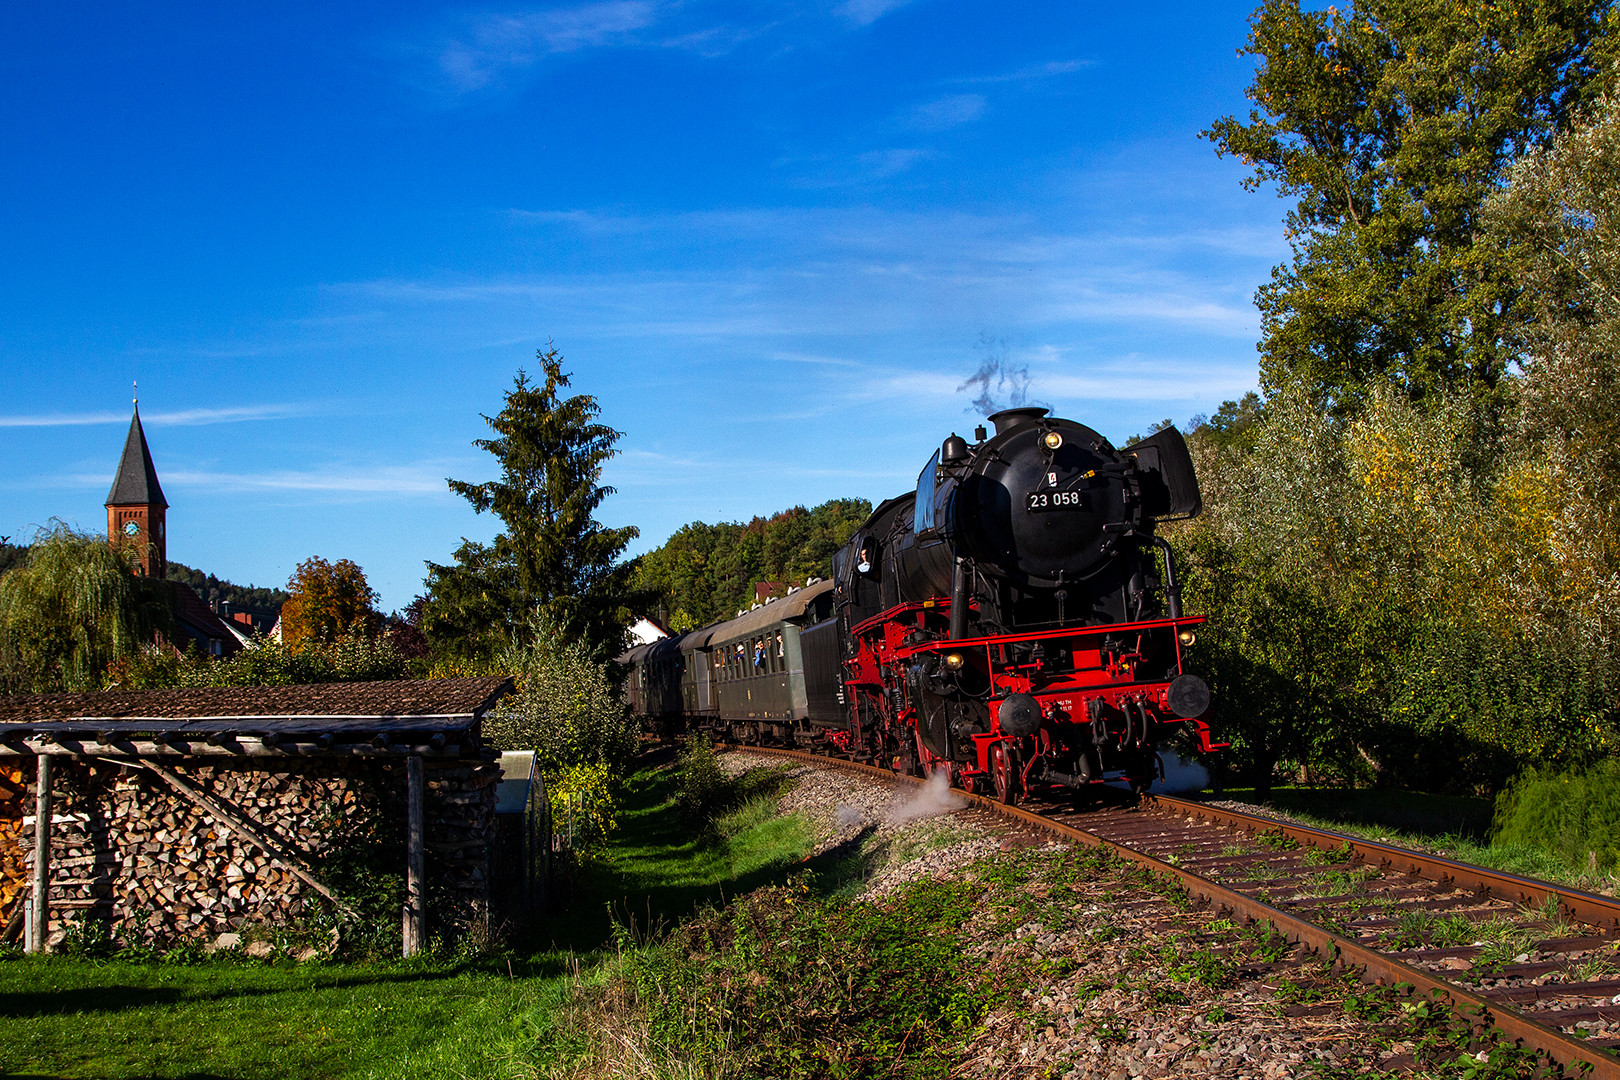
point(935, 797)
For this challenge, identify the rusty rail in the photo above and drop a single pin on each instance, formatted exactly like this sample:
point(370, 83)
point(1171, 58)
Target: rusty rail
point(1585, 907)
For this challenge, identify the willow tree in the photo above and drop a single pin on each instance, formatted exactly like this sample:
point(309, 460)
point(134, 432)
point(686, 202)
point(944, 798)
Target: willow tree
point(71, 609)
point(553, 560)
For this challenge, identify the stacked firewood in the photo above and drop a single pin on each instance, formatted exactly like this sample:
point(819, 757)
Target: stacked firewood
point(14, 805)
point(130, 850)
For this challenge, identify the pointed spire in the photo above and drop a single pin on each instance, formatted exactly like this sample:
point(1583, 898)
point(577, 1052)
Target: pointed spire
point(136, 483)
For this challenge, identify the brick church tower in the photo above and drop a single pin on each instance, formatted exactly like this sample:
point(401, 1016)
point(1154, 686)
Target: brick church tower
point(135, 506)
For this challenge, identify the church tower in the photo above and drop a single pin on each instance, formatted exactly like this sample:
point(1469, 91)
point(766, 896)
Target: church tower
point(135, 506)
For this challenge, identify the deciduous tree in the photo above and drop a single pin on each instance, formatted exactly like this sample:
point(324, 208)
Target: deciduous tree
point(74, 606)
point(1389, 123)
point(329, 600)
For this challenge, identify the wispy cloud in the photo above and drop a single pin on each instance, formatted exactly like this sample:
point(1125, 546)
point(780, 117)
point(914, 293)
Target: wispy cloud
point(497, 43)
point(949, 111)
point(420, 479)
point(867, 12)
point(1031, 73)
point(883, 164)
point(179, 418)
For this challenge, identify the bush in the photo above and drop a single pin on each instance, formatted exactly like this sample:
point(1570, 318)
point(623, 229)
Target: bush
point(701, 786)
point(582, 806)
point(1574, 814)
point(567, 708)
point(263, 663)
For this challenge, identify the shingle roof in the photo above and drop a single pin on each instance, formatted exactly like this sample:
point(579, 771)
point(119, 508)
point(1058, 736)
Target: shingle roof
point(374, 700)
point(136, 482)
point(190, 609)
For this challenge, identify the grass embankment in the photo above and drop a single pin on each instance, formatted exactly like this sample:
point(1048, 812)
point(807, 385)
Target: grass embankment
point(242, 1018)
point(1454, 826)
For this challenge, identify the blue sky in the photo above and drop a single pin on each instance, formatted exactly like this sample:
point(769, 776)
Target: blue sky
point(773, 239)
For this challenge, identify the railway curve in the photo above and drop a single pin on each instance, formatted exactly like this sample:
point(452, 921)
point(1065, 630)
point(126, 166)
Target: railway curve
point(1196, 845)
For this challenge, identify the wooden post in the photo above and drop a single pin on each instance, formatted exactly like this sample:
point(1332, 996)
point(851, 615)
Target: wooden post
point(38, 903)
point(416, 866)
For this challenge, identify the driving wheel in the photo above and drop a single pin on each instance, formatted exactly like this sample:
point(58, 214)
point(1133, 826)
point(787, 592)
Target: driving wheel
point(1004, 772)
point(905, 760)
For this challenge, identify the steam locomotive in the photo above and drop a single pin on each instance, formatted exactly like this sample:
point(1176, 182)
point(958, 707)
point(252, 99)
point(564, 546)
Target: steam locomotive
point(1013, 621)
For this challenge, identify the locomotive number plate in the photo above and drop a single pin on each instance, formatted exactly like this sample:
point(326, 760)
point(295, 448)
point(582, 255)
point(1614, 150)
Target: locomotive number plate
point(1038, 501)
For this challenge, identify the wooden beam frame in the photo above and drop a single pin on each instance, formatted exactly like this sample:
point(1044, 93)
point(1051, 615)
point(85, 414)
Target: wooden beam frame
point(415, 860)
point(235, 747)
point(39, 902)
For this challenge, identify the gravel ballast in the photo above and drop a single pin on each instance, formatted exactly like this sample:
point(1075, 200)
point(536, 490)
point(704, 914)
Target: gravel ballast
point(1134, 983)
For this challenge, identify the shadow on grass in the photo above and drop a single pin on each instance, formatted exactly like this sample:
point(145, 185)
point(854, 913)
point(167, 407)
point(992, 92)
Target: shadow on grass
point(1405, 811)
point(660, 869)
point(234, 982)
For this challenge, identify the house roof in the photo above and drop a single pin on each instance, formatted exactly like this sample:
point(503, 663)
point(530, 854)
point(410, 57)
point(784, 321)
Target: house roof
point(407, 703)
point(136, 481)
point(192, 610)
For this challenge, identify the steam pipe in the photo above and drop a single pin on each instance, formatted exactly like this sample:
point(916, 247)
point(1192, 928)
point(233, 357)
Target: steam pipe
point(959, 599)
point(1172, 590)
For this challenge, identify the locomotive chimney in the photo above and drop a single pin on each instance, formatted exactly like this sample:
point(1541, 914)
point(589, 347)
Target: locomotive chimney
point(1012, 419)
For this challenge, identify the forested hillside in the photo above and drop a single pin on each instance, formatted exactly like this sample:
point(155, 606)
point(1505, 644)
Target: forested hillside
point(258, 599)
point(11, 555)
point(704, 572)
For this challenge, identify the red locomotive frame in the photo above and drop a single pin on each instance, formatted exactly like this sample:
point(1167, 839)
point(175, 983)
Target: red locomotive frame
point(1098, 687)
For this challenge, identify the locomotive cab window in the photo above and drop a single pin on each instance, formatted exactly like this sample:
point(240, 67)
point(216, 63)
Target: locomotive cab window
point(922, 516)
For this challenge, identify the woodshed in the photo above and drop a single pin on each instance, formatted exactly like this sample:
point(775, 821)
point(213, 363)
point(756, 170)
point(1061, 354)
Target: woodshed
point(166, 815)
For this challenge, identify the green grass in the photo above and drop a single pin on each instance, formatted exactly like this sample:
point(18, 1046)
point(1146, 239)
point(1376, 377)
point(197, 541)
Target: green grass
point(660, 868)
point(235, 1018)
point(65, 1017)
point(1447, 825)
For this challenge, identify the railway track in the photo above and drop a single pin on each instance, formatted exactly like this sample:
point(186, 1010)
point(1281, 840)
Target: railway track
point(1539, 961)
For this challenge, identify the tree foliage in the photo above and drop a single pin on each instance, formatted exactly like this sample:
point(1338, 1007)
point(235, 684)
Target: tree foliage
point(1408, 550)
point(553, 557)
point(257, 599)
point(704, 573)
point(1389, 124)
point(72, 608)
point(328, 601)
point(567, 707)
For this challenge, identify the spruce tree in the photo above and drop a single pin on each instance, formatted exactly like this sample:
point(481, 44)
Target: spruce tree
point(554, 561)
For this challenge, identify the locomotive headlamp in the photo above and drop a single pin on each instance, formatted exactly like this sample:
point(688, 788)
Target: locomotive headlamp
point(1186, 637)
point(954, 661)
point(1052, 440)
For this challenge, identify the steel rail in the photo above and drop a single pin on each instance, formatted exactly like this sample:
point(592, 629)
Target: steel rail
point(1585, 907)
point(1573, 1055)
